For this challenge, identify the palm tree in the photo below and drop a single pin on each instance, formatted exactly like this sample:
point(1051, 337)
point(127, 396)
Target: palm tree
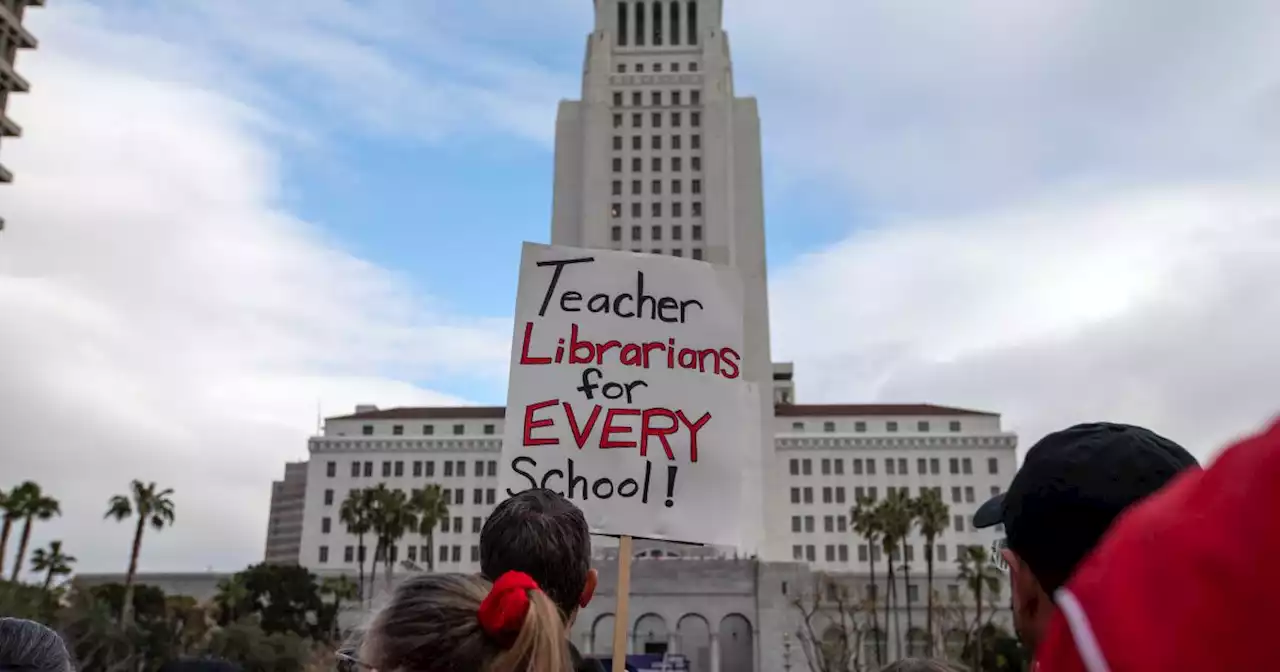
point(395, 518)
point(376, 496)
point(866, 524)
point(981, 576)
point(52, 562)
point(354, 514)
point(9, 508)
point(430, 506)
point(151, 505)
point(231, 596)
point(32, 505)
point(932, 514)
point(895, 520)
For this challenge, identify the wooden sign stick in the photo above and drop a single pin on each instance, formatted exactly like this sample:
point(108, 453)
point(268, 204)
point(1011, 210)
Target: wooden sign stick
point(620, 619)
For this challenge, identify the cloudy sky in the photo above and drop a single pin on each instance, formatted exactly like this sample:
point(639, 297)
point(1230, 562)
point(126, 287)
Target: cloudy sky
point(230, 214)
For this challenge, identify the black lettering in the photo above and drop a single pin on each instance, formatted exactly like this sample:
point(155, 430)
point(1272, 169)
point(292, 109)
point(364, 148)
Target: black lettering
point(574, 480)
point(630, 485)
point(648, 471)
point(587, 385)
point(555, 278)
point(595, 488)
point(547, 477)
point(566, 298)
point(684, 309)
point(641, 298)
point(598, 303)
point(617, 305)
point(667, 303)
point(515, 466)
point(613, 390)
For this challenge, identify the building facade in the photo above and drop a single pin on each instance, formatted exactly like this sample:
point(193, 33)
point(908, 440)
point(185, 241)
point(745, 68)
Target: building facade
point(284, 527)
point(13, 36)
point(661, 157)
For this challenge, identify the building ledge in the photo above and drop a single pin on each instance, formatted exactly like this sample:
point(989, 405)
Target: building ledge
point(21, 35)
point(5, 176)
point(11, 80)
point(9, 127)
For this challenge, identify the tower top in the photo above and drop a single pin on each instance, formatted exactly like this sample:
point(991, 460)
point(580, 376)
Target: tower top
point(657, 24)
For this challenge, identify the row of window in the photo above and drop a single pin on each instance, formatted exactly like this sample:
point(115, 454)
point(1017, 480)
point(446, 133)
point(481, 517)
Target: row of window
point(695, 253)
point(655, 233)
point(889, 426)
point(892, 466)
point(455, 497)
point(872, 552)
point(836, 494)
point(420, 468)
point(655, 208)
point(675, 99)
point(840, 525)
point(427, 430)
point(445, 554)
point(657, 67)
point(637, 11)
point(447, 525)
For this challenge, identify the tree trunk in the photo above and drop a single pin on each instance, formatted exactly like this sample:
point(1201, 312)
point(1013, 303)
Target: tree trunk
point(906, 586)
point(391, 564)
point(977, 635)
point(48, 579)
point(373, 567)
point(431, 550)
point(875, 627)
point(928, 560)
point(888, 606)
point(22, 550)
point(897, 623)
point(360, 562)
point(126, 610)
point(4, 539)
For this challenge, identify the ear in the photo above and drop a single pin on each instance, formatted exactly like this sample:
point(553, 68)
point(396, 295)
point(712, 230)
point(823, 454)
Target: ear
point(588, 589)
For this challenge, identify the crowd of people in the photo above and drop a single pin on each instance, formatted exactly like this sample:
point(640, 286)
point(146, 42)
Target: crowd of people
point(1124, 555)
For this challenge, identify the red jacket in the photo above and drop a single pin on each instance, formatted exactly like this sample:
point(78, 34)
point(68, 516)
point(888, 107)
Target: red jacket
point(1183, 581)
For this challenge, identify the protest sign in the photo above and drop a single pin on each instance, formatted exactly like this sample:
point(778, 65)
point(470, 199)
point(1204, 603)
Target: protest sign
point(626, 393)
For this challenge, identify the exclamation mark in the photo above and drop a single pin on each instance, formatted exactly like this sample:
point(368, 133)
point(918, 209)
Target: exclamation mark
point(671, 485)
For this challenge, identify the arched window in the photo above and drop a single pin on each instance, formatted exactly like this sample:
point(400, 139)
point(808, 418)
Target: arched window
point(622, 24)
point(657, 23)
point(693, 22)
point(675, 23)
point(639, 24)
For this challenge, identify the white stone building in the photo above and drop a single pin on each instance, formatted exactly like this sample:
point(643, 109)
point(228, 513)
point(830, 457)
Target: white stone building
point(659, 156)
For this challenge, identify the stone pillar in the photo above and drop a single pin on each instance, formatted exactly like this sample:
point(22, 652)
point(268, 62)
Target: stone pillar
point(715, 652)
point(673, 643)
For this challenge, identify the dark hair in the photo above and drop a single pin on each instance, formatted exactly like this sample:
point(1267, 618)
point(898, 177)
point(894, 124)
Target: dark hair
point(432, 624)
point(27, 645)
point(544, 535)
point(920, 665)
point(200, 665)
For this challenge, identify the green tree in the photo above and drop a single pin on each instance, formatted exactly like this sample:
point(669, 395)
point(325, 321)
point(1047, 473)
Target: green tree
point(29, 504)
point(52, 562)
point(151, 505)
point(430, 506)
point(231, 598)
point(341, 589)
point(981, 576)
point(867, 525)
point(284, 598)
point(393, 519)
point(355, 514)
point(895, 517)
point(376, 496)
point(8, 510)
point(933, 515)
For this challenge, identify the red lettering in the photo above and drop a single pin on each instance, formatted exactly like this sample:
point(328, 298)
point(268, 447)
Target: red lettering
point(603, 348)
point(530, 424)
point(525, 359)
point(632, 355)
point(580, 437)
point(693, 432)
point(610, 429)
point(574, 345)
point(648, 429)
point(650, 347)
point(729, 357)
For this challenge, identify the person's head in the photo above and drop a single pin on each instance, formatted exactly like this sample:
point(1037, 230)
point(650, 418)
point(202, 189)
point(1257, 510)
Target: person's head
point(448, 622)
point(31, 647)
point(1072, 485)
point(544, 535)
point(920, 665)
point(200, 665)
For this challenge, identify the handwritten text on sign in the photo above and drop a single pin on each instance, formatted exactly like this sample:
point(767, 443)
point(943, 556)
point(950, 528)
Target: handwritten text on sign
point(626, 392)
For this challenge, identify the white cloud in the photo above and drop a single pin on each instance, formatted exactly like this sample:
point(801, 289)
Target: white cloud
point(164, 318)
point(1068, 209)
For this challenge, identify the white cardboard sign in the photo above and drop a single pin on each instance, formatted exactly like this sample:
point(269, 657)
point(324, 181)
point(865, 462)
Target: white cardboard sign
point(626, 393)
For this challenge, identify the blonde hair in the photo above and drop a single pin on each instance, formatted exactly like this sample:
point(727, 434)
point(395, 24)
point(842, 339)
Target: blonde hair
point(432, 624)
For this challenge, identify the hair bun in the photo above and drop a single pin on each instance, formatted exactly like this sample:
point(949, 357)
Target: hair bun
point(504, 609)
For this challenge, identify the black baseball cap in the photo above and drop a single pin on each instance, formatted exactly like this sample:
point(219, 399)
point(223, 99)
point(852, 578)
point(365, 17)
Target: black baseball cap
point(1072, 485)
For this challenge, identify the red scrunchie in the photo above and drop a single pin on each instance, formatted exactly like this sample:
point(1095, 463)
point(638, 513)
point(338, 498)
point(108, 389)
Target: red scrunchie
point(503, 610)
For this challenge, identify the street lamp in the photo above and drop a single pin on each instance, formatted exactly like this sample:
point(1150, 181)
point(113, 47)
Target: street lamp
point(786, 651)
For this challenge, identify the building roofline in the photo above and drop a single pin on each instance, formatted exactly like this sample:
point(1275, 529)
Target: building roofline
point(781, 410)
